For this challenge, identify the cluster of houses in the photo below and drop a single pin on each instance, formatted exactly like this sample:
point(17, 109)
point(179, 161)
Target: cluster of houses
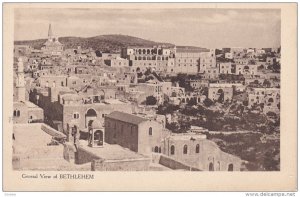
point(100, 97)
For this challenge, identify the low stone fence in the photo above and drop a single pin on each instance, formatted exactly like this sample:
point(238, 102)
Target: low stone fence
point(52, 131)
point(69, 152)
point(140, 164)
point(82, 156)
point(175, 165)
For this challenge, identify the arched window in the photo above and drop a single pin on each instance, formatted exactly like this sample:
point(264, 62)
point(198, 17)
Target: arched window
point(150, 131)
point(185, 149)
point(172, 150)
point(211, 167)
point(197, 148)
point(230, 167)
point(156, 149)
point(76, 115)
point(218, 166)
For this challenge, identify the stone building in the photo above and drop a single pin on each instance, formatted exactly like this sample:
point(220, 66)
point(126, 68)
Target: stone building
point(207, 61)
point(143, 58)
point(52, 81)
point(187, 60)
point(144, 136)
point(198, 84)
point(248, 69)
point(211, 73)
point(82, 110)
point(136, 133)
point(27, 112)
point(217, 90)
point(117, 62)
point(23, 110)
point(52, 46)
point(268, 97)
point(198, 152)
point(225, 68)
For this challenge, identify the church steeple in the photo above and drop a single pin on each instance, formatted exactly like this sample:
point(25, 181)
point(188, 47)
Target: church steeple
point(50, 35)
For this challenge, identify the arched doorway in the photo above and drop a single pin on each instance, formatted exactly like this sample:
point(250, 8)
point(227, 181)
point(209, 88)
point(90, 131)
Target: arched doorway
point(98, 138)
point(102, 94)
point(90, 116)
point(221, 95)
point(172, 150)
point(230, 167)
point(211, 167)
point(219, 166)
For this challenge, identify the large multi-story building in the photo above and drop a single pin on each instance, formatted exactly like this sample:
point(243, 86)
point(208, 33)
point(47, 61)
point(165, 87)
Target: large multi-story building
point(141, 58)
point(170, 60)
point(82, 110)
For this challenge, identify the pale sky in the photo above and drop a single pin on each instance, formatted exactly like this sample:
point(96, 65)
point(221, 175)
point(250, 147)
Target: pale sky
point(211, 28)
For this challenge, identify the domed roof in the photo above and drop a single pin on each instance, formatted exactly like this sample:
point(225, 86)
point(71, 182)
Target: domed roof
point(96, 124)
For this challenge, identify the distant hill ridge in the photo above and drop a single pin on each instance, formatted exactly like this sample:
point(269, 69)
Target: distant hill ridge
point(106, 43)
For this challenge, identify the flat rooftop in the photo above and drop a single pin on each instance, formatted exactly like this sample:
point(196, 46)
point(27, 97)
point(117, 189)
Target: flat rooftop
point(187, 136)
point(111, 152)
point(30, 145)
point(32, 105)
point(31, 140)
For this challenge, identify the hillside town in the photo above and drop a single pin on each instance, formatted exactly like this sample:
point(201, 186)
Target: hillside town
point(145, 108)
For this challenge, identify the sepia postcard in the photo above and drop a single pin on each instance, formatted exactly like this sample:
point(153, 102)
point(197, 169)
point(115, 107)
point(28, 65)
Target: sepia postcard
point(150, 97)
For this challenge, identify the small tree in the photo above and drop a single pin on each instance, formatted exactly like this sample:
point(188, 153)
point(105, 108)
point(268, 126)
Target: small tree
point(267, 83)
point(221, 98)
point(174, 127)
point(98, 53)
point(151, 100)
point(208, 102)
point(261, 67)
point(192, 102)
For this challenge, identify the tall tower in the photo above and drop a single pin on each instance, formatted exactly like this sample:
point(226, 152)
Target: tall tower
point(20, 85)
point(50, 34)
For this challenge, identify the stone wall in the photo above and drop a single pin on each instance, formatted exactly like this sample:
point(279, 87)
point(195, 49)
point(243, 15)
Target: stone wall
point(52, 131)
point(69, 152)
point(173, 164)
point(121, 165)
point(82, 156)
point(208, 154)
point(36, 114)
